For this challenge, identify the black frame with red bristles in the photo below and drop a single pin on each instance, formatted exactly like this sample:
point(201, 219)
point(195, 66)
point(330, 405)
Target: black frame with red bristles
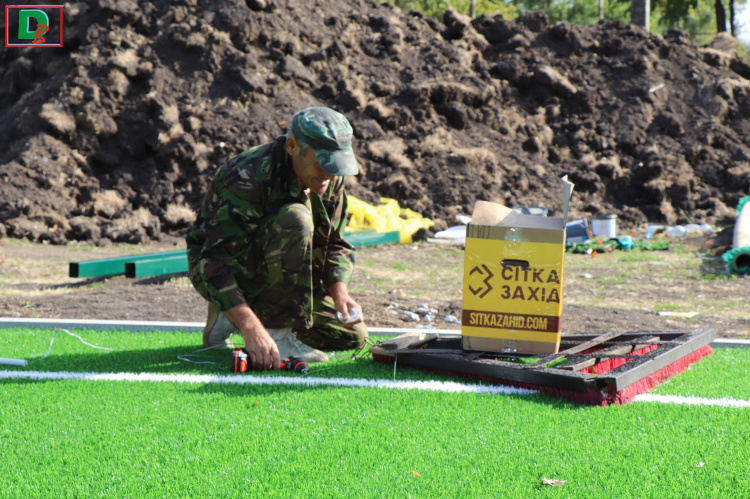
point(604, 369)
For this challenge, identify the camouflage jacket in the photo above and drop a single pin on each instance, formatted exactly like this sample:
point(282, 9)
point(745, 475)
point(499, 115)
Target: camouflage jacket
point(248, 187)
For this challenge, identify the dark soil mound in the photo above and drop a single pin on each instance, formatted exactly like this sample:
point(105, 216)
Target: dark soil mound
point(114, 137)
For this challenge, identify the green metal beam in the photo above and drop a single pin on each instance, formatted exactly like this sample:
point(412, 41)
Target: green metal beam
point(114, 266)
point(157, 266)
point(173, 262)
point(374, 239)
point(352, 233)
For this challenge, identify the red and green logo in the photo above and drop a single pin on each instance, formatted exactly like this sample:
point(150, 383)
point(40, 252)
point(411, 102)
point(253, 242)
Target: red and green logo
point(33, 25)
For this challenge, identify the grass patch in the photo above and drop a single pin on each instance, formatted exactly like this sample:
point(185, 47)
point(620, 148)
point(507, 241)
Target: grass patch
point(115, 439)
point(645, 280)
point(400, 266)
point(678, 273)
point(637, 256)
point(620, 279)
point(670, 307)
point(406, 267)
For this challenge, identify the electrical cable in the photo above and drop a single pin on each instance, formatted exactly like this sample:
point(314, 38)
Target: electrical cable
point(58, 330)
point(184, 358)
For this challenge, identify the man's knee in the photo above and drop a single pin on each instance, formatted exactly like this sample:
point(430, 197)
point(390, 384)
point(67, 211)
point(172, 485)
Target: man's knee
point(288, 235)
point(328, 335)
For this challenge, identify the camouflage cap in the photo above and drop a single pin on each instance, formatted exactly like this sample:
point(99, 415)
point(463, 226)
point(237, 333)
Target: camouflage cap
point(330, 135)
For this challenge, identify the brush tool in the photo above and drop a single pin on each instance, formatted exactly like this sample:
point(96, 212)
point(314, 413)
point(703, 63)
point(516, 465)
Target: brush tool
point(601, 370)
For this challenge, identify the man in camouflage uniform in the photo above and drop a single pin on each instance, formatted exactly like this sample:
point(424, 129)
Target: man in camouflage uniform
point(267, 250)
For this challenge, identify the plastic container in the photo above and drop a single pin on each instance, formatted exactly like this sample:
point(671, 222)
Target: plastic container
point(676, 231)
point(455, 234)
point(653, 229)
point(741, 238)
point(625, 243)
point(604, 226)
point(576, 231)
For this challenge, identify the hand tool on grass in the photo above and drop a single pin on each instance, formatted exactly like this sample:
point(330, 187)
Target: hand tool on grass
point(240, 364)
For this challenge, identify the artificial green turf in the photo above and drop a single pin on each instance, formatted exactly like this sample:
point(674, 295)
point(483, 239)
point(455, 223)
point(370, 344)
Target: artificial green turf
point(143, 439)
point(66, 439)
point(158, 352)
point(724, 373)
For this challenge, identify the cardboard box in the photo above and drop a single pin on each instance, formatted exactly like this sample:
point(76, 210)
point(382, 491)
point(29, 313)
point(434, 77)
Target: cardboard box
point(513, 279)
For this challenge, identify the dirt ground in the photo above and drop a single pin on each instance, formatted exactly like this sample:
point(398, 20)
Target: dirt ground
point(114, 137)
point(614, 291)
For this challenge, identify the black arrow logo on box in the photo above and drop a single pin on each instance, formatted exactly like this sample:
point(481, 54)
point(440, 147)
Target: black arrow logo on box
point(486, 281)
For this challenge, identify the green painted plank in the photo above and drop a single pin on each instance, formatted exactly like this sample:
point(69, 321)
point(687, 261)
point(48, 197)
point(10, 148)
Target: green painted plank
point(114, 266)
point(352, 233)
point(119, 265)
point(157, 266)
point(374, 239)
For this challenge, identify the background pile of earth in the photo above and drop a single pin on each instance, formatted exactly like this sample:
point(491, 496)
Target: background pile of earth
point(115, 136)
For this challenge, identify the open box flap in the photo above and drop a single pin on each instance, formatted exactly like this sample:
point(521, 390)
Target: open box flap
point(567, 190)
point(493, 214)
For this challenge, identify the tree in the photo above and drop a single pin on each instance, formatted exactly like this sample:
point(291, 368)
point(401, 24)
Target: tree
point(640, 13)
point(701, 18)
point(576, 12)
point(436, 8)
point(721, 17)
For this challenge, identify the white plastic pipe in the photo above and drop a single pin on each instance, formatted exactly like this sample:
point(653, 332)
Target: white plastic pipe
point(13, 362)
point(742, 228)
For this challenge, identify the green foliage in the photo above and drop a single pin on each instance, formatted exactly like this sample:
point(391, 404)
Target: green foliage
point(672, 11)
point(434, 8)
point(437, 8)
point(582, 13)
point(697, 17)
point(489, 7)
point(744, 50)
point(670, 307)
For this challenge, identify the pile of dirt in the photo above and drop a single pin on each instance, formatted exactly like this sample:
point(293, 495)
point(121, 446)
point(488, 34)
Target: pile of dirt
point(115, 136)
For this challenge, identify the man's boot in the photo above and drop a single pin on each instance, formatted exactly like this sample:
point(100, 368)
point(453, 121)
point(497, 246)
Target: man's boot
point(218, 329)
point(289, 346)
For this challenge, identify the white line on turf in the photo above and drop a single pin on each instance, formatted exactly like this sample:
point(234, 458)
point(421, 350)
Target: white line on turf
point(674, 399)
point(432, 386)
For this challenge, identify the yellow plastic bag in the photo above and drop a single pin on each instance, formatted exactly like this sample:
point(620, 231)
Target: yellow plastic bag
point(386, 217)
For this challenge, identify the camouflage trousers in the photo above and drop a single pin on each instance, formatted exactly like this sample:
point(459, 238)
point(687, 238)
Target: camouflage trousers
point(285, 290)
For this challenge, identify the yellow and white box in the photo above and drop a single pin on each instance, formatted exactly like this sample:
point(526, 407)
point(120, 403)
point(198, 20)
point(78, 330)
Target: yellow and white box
point(513, 279)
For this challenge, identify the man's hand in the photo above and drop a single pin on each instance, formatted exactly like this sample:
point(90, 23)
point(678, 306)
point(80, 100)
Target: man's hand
point(343, 302)
point(264, 353)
